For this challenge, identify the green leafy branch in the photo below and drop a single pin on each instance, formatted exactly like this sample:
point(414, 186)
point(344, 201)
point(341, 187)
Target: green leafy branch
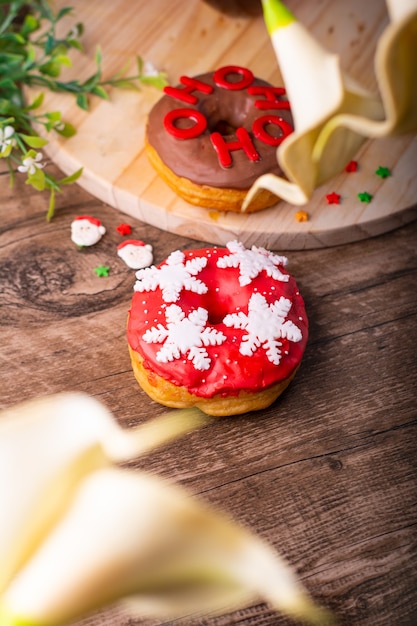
point(33, 55)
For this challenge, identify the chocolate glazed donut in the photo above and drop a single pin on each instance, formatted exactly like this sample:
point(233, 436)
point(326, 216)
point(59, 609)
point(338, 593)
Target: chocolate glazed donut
point(218, 131)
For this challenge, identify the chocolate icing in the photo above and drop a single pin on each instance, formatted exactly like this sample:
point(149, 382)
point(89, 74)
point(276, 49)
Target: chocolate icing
point(225, 110)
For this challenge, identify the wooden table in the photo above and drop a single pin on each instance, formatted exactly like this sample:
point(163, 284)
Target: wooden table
point(327, 474)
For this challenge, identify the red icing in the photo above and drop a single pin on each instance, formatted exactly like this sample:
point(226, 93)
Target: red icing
point(272, 95)
point(272, 100)
point(190, 85)
point(224, 148)
point(196, 130)
point(220, 77)
point(260, 131)
point(229, 371)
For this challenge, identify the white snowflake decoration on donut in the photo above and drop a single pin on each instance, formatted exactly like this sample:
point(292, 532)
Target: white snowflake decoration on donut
point(185, 336)
point(172, 277)
point(252, 262)
point(266, 324)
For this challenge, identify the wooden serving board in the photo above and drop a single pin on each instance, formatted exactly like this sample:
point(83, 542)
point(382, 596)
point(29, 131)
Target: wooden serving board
point(190, 37)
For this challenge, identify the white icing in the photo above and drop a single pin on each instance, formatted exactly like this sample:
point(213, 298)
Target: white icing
point(266, 324)
point(252, 262)
point(172, 277)
point(185, 335)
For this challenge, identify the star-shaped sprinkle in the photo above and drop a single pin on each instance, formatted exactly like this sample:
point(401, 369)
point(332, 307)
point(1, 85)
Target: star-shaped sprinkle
point(383, 172)
point(301, 216)
point(364, 196)
point(333, 198)
point(124, 229)
point(102, 270)
point(352, 166)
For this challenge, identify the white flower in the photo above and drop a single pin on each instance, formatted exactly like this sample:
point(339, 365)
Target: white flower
point(31, 164)
point(6, 137)
point(149, 69)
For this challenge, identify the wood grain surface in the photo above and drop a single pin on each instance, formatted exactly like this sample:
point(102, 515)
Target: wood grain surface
point(327, 474)
point(190, 37)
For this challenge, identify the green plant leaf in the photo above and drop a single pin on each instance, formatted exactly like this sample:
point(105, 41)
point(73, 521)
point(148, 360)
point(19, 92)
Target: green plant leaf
point(30, 24)
point(6, 151)
point(54, 116)
point(72, 178)
point(51, 206)
point(123, 83)
point(100, 92)
point(65, 129)
point(37, 180)
point(82, 101)
point(49, 44)
point(62, 12)
point(139, 63)
point(34, 141)
point(159, 81)
point(14, 38)
point(74, 43)
point(63, 59)
point(98, 56)
point(37, 102)
point(51, 68)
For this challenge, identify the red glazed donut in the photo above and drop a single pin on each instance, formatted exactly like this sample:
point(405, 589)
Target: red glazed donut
point(223, 329)
point(213, 135)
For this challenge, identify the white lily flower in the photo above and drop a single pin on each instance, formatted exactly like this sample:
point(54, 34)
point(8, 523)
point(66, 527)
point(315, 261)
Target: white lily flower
point(396, 73)
point(31, 164)
point(6, 137)
point(78, 533)
point(333, 115)
point(48, 446)
point(130, 535)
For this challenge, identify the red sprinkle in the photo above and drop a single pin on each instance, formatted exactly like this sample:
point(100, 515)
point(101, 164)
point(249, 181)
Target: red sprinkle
point(124, 229)
point(333, 198)
point(352, 166)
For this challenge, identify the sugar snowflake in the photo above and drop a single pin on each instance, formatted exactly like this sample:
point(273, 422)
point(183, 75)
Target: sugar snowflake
point(172, 277)
point(266, 324)
point(185, 335)
point(252, 262)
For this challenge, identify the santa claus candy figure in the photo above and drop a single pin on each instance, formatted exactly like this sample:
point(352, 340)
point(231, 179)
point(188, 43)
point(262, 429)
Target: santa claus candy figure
point(135, 253)
point(86, 230)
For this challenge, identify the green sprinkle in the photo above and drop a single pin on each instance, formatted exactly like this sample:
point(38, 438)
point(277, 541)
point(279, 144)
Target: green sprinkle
point(364, 196)
point(102, 270)
point(383, 172)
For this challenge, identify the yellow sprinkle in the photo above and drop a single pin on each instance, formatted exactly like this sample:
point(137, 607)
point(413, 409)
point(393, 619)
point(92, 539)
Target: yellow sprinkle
point(302, 216)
